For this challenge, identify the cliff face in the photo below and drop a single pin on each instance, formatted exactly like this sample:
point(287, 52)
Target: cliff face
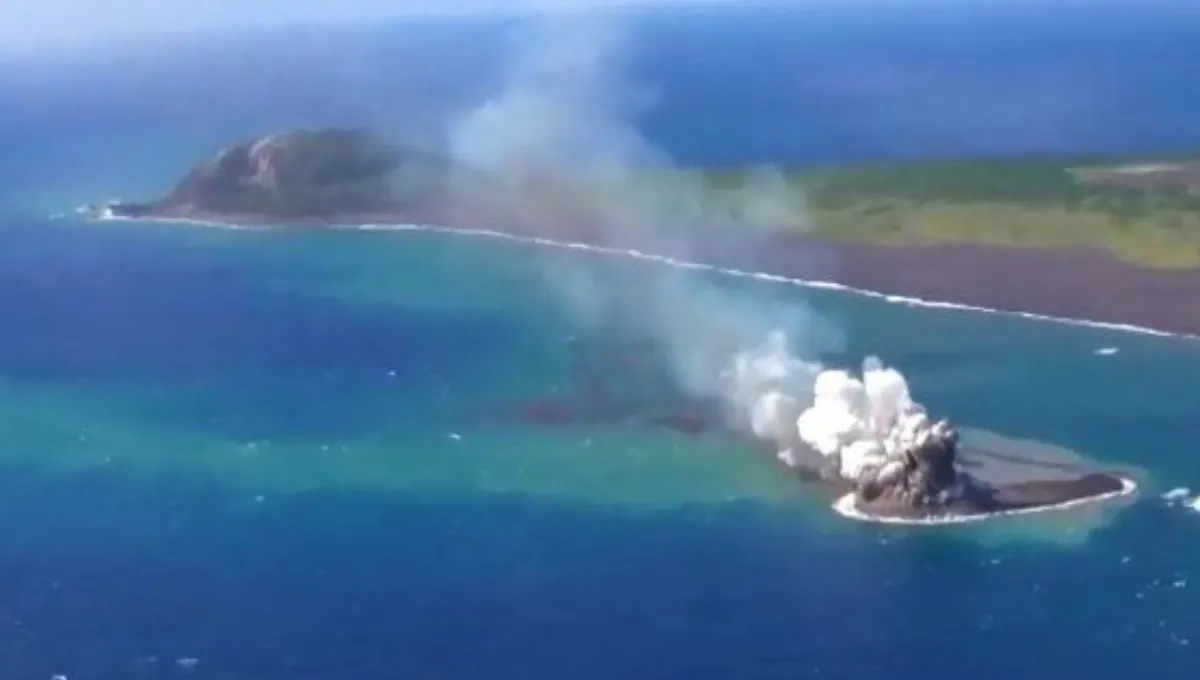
point(305, 173)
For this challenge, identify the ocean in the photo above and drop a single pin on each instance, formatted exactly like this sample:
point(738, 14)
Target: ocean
point(244, 453)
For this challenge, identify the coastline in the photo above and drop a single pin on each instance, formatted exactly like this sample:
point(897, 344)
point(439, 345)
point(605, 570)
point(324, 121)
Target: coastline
point(846, 506)
point(842, 503)
point(1061, 285)
point(1085, 286)
point(843, 498)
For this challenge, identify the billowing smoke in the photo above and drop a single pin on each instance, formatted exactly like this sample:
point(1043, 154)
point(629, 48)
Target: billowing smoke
point(565, 160)
point(860, 424)
point(561, 153)
point(558, 143)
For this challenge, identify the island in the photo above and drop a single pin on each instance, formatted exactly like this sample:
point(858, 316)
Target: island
point(926, 482)
point(1061, 236)
point(1113, 239)
point(889, 463)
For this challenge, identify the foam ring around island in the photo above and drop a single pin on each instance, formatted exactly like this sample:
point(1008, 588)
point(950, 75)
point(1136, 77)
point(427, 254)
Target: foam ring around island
point(846, 506)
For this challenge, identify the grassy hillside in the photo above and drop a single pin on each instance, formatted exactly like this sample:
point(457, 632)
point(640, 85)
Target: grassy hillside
point(1145, 209)
point(1151, 216)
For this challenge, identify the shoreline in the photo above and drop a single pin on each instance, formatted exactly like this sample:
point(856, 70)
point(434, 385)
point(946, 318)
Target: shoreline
point(846, 507)
point(844, 503)
point(1043, 284)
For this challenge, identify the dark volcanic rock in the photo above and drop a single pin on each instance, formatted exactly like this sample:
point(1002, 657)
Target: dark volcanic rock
point(923, 478)
point(1034, 494)
point(926, 481)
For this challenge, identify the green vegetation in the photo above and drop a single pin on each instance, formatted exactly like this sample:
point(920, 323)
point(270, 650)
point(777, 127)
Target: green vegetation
point(1149, 214)
point(1031, 200)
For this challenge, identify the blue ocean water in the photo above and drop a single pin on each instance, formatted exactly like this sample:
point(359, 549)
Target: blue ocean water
point(255, 454)
point(141, 362)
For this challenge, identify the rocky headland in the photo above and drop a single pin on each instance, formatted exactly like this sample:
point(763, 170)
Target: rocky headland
point(299, 176)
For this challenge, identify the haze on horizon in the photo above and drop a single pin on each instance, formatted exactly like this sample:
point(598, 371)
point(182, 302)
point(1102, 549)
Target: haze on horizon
point(44, 27)
point(33, 26)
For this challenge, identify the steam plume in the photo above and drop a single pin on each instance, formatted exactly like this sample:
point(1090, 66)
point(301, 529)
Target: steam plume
point(564, 157)
point(558, 153)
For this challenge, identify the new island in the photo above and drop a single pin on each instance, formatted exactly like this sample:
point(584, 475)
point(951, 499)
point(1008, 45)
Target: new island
point(1108, 239)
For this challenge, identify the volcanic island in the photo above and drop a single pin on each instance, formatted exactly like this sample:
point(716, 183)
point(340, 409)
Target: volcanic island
point(1108, 239)
point(1112, 239)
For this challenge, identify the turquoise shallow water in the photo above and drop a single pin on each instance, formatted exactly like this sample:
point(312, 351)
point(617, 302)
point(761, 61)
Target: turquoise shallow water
point(282, 455)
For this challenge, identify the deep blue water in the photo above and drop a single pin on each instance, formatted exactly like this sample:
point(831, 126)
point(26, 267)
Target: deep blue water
point(113, 572)
point(808, 85)
point(231, 446)
point(334, 584)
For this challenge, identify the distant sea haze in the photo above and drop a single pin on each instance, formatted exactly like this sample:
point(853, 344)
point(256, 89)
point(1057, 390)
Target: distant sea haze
point(294, 454)
point(787, 85)
point(307, 454)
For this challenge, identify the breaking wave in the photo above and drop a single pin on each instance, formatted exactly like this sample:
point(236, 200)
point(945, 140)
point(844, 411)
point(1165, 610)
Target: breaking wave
point(684, 264)
point(762, 276)
point(863, 423)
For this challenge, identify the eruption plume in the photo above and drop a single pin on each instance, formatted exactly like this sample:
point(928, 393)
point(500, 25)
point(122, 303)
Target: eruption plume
point(857, 423)
point(566, 161)
point(557, 151)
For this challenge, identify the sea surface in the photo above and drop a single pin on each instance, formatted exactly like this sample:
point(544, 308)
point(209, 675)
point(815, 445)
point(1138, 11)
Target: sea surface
point(296, 455)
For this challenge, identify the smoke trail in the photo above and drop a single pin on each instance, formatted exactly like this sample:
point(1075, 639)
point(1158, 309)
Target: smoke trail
point(557, 152)
point(564, 159)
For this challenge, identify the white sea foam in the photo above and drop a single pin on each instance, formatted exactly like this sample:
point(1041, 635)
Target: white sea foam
point(685, 264)
point(107, 215)
point(1177, 495)
point(1183, 497)
point(771, 411)
point(846, 507)
point(774, 278)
